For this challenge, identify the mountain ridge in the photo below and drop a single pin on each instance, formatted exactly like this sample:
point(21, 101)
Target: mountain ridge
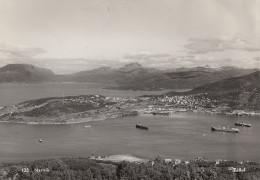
point(132, 76)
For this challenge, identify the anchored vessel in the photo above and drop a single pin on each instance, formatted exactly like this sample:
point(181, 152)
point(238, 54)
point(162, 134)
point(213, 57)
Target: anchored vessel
point(242, 124)
point(161, 113)
point(224, 129)
point(140, 126)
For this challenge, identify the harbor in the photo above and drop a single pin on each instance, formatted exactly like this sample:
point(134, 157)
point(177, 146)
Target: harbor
point(120, 136)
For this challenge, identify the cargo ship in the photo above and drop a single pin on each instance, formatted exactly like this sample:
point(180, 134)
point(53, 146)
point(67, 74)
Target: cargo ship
point(224, 129)
point(140, 126)
point(242, 124)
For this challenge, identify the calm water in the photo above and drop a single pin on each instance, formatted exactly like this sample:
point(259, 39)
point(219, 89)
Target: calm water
point(15, 93)
point(183, 136)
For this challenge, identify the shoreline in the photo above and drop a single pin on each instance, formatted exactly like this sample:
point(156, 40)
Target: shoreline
point(126, 157)
point(53, 123)
point(106, 118)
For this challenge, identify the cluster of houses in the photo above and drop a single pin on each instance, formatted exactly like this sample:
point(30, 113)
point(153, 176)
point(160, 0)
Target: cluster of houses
point(94, 99)
point(181, 104)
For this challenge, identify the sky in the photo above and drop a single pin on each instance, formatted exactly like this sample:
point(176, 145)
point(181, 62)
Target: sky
point(68, 36)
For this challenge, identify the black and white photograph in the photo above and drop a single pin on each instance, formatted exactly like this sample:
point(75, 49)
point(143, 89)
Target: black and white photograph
point(130, 89)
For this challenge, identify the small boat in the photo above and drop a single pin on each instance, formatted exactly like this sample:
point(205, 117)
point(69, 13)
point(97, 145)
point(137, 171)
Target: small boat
point(161, 113)
point(224, 129)
point(242, 124)
point(40, 140)
point(88, 126)
point(140, 126)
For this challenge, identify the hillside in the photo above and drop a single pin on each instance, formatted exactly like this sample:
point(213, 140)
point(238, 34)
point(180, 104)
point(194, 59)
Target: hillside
point(241, 92)
point(25, 73)
point(65, 110)
point(246, 83)
point(145, 79)
point(158, 168)
point(99, 75)
point(238, 92)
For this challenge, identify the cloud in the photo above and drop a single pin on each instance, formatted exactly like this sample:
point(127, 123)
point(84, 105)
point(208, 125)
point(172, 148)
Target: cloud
point(64, 65)
point(7, 51)
point(146, 56)
point(167, 61)
point(257, 59)
point(203, 46)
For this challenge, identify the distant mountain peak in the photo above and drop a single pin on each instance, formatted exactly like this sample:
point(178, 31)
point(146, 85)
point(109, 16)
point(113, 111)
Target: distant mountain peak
point(14, 66)
point(24, 73)
point(134, 64)
point(24, 68)
point(130, 67)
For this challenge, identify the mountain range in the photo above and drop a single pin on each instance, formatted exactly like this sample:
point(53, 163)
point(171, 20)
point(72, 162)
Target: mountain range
point(132, 76)
point(238, 88)
point(136, 77)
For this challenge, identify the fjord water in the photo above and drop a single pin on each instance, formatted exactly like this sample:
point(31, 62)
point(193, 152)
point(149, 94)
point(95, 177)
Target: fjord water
point(182, 135)
point(12, 93)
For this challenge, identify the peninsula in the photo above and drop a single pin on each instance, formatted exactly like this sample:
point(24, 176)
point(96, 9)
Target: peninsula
point(84, 108)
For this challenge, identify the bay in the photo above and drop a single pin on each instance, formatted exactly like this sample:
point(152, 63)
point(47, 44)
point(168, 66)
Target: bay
point(182, 136)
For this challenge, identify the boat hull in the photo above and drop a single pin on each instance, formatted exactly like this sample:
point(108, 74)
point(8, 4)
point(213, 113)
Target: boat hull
point(243, 124)
point(225, 130)
point(139, 126)
point(161, 113)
